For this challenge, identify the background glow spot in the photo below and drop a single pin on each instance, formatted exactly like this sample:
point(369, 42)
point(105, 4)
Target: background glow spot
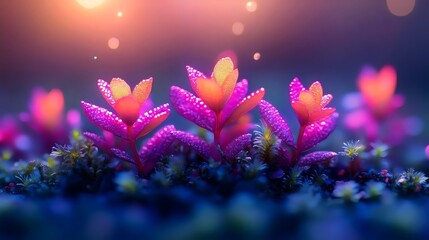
point(119, 14)
point(237, 28)
point(427, 151)
point(251, 6)
point(400, 8)
point(256, 56)
point(352, 101)
point(23, 142)
point(95, 57)
point(73, 119)
point(113, 43)
point(89, 4)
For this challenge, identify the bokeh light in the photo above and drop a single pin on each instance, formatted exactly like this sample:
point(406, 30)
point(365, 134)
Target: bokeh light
point(400, 8)
point(427, 151)
point(119, 14)
point(89, 4)
point(113, 43)
point(352, 101)
point(95, 57)
point(256, 56)
point(251, 6)
point(237, 28)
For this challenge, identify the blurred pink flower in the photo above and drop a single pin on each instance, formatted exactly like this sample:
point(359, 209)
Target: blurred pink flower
point(375, 116)
point(378, 91)
point(47, 111)
point(47, 118)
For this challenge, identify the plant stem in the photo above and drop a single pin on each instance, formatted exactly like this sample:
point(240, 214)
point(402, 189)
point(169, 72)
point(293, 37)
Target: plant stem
point(297, 150)
point(217, 128)
point(132, 145)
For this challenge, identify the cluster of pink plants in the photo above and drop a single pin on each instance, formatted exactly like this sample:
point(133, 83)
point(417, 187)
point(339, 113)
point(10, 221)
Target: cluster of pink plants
point(220, 106)
point(219, 103)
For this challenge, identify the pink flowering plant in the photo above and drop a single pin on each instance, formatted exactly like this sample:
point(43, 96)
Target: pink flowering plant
point(130, 122)
point(220, 101)
point(376, 114)
point(317, 121)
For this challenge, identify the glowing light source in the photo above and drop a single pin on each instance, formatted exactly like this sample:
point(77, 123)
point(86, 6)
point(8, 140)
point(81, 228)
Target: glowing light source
point(256, 56)
point(119, 14)
point(113, 43)
point(400, 8)
point(251, 6)
point(95, 57)
point(237, 28)
point(89, 4)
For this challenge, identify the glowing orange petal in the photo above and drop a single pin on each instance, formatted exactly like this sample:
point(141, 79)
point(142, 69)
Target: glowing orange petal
point(246, 105)
point(222, 69)
point(119, 88)
point(51, 107)
point(369, 89)
point(128, 109)
point(317, 91)
point(156, 121)
point(211, 93)
point(229, 84)
point(320, 115)
point(307, 98)
point(301, 112)
point(387, 78)
point(142, 90)
point(56, 97)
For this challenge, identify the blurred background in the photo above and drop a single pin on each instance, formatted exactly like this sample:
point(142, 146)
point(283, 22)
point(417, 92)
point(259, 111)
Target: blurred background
point(70, 44)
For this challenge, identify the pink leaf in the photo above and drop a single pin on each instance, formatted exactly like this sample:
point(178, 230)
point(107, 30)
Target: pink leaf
point(98, 141)
point(104, 88)
point(122, 155)
point(104, 119)
point(316, 157)
point(237, 145)
point(326, 99)
point(197, 144)
point(245, 105)
point(150, 120)
point(318, 131)
point(276, 123)
point(239, 94)
point(193, 75)
point(295, 88)
point(192, 108)
point(158, 144)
